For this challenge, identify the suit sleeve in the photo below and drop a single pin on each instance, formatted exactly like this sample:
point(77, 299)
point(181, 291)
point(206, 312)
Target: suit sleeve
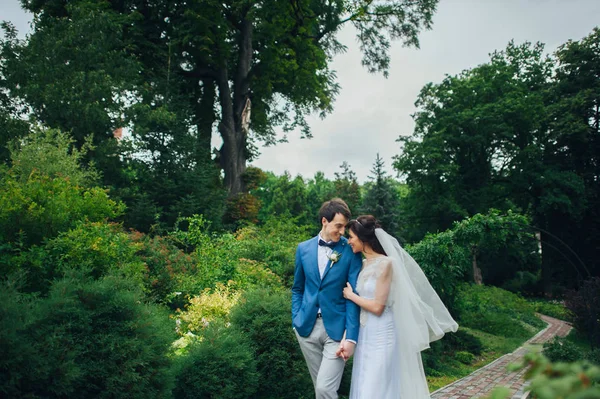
point(298, 286)
point(352, 309)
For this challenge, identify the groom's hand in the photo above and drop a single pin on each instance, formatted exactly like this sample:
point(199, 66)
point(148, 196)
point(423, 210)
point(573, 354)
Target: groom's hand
point(348, 349)
point(340, 351)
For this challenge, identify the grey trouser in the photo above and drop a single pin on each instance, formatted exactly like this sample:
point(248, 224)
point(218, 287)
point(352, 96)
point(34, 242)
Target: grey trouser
point(325, 367)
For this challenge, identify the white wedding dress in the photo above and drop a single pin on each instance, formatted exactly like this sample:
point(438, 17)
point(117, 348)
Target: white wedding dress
point(387, 359)
point(376, 365)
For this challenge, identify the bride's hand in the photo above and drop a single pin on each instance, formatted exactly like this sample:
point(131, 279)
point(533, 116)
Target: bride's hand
point(348, 291)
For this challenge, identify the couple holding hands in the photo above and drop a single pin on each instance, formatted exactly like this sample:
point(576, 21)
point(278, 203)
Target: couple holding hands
point(363, 296)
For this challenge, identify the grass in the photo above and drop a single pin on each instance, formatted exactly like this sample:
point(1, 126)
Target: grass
point(508, 321)
point(494, 347)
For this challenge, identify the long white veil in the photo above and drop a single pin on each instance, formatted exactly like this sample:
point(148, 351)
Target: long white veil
point(420, 316)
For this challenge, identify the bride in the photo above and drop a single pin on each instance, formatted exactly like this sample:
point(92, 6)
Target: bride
point(400, 315)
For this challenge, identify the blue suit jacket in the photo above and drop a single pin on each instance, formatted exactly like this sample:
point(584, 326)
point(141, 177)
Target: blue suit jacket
point(310, 292)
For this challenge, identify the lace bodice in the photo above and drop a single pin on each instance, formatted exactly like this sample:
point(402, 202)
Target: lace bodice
point(374, 283)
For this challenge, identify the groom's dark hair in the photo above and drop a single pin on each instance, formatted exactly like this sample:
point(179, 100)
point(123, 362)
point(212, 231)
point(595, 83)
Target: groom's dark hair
point(332, 207)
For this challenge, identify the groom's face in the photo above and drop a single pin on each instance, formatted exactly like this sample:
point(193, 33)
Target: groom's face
point(334, 230)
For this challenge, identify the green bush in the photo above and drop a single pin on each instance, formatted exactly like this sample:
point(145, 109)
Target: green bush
point(273, 244)
point(264, 316)
point(215, 256)
point(208, 307)
point(165, 267)
point(227, 257)
point(593, 356)
point(42, 207)
point(464, 357)
point(48, 190)
point(18, 358)
point(584, 304)
point(462, 340)
point(524, 282)
point(220, 366)
point(445, 264)
point(547, 380)
point(86, 339)
point(562, 350)
point(99, 248)
point(552, 309)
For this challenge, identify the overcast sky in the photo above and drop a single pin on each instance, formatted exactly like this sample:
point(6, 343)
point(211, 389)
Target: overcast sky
point(371, 112)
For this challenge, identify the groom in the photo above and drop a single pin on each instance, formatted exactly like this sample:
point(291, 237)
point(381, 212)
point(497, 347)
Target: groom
point(321, 317)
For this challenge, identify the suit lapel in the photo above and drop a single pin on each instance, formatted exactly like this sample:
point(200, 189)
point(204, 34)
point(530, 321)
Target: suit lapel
point(313, 255)
point(339, 249)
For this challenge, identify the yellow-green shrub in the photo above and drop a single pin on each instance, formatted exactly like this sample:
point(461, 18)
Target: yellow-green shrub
point(210, 305)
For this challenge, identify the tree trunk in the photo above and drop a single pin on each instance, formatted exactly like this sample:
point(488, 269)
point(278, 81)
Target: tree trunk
point(205, 119)
point(233, 154)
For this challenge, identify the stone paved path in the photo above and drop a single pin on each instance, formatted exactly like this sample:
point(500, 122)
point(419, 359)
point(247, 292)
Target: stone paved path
point(481, 382)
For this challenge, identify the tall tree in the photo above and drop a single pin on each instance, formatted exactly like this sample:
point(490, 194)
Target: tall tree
point(575, 123)
point(381, 198)
point(273, 57)
point(270, 57)
point(347, 187)
point(484, 139)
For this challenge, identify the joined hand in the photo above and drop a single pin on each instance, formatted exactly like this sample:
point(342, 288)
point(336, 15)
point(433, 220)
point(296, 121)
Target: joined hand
point(346, 350)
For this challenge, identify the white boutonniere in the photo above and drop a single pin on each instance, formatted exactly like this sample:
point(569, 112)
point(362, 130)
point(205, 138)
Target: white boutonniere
point(334, 257)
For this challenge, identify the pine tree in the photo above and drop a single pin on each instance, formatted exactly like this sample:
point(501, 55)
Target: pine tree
point(382, 198)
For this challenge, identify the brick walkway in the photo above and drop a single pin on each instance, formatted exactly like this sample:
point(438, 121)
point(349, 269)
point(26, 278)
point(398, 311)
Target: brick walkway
point(481, 382)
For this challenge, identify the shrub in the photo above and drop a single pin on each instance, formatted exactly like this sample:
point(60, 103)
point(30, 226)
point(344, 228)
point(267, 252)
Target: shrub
point(464, 341)
point(445, 264)
point(165, 267)
point(552, 309)
point(18, 358)
point(215, 256)
point(274, 244)
point(42, 207)
point(241, 208)
point(245, 258)
point(221, 366)
point(562, 350)
point(524, 282)
point(53, 154)
point(264, 316)
point(97, 248)
point(211, 305)
point(556, 380)
point(593, 356)
point(585, 306)
point(88, 339)
point(251, 273)
point(464, 357)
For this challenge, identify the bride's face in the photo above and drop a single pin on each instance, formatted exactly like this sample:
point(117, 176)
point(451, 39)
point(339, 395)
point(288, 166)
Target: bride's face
point(356, 244)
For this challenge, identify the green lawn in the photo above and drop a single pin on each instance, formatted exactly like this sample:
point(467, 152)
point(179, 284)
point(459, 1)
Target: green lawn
point(494, 347)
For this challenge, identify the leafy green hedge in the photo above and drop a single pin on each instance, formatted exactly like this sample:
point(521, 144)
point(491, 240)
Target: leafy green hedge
point(221, 365)
point(264, 316)
point(86, 339)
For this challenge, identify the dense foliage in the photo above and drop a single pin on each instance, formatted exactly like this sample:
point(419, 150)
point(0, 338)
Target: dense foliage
point(152, 265)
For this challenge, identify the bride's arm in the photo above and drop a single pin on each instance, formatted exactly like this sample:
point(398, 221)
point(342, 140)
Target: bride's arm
point(382, 290)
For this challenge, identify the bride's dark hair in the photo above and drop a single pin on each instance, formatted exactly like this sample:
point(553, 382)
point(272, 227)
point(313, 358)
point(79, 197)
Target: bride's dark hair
point(364, 227)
